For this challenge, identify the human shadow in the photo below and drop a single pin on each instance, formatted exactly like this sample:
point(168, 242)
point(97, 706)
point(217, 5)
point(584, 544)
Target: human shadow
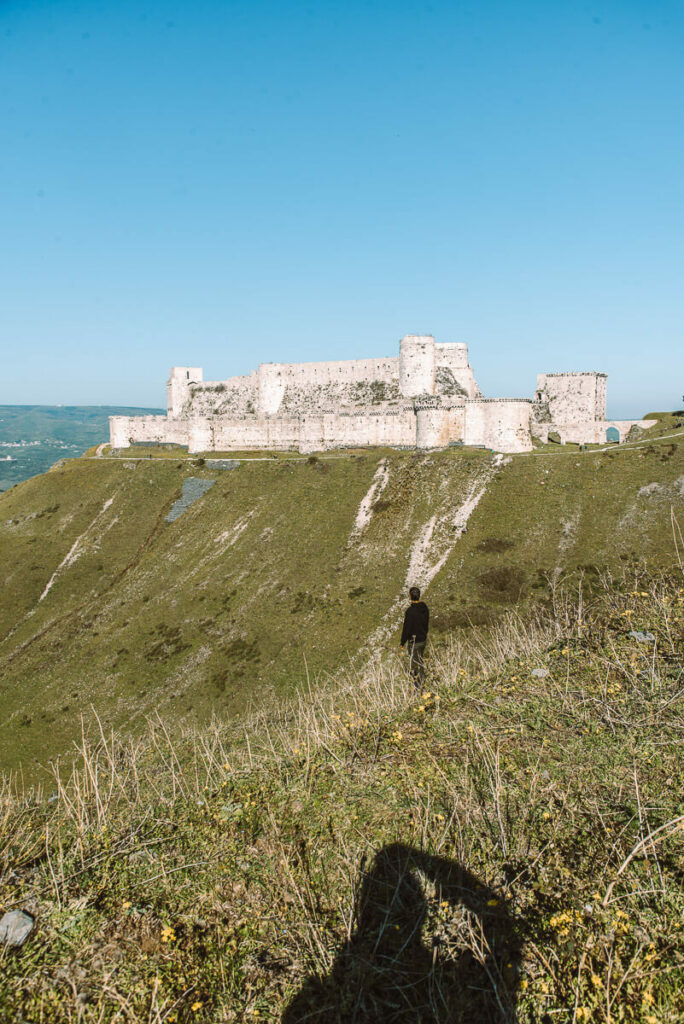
point(386, 974)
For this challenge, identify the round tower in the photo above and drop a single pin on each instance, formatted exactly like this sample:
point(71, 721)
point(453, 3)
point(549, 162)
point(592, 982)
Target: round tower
point(417, 365)
point(429, 423)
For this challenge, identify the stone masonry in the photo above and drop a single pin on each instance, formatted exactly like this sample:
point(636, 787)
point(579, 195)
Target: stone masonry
point(427, 397)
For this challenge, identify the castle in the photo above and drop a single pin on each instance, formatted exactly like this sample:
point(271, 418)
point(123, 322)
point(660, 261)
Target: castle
point(427, 397)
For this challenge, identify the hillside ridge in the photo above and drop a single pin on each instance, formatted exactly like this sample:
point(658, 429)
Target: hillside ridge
point(287, 567)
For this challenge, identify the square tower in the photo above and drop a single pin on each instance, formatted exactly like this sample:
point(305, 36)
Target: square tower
point(572, 397)
point(178, 388)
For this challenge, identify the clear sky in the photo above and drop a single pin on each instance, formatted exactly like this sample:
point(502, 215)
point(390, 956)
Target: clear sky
point(220, 184)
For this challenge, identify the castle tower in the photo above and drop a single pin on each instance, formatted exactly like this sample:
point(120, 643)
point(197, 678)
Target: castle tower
point(178, 388)
point(429, 423)
point(572, 397)
point(453, 373)
point(270, 388)
point(417, 365)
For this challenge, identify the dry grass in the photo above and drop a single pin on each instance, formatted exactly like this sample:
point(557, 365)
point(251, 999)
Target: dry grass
point(502, 847)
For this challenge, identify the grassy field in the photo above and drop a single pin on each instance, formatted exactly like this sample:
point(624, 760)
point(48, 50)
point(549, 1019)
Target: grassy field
point(266, 585)
point(506, 846)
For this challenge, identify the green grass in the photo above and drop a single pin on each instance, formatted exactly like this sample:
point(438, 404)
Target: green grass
point(263, 584)
point(277, 870)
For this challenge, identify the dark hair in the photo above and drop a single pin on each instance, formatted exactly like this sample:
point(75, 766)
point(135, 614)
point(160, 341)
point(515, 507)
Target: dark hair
point(414, 593)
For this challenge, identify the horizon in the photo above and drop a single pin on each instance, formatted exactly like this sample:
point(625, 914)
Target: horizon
point(267, 182)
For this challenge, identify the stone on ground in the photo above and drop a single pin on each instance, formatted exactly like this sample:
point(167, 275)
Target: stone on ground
point(15, 927)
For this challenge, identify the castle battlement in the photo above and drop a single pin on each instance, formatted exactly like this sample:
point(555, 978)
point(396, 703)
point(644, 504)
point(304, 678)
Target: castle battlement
point(426, 397)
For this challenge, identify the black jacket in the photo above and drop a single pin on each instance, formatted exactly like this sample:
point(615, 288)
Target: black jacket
point(416, 619)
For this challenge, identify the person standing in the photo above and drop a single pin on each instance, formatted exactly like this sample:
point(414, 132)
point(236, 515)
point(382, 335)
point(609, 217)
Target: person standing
point(415, 633)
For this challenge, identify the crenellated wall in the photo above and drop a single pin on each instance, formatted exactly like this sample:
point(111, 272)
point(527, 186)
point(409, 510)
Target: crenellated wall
point(303, 433)
point(499, 423)
point(427, 397)
point(438, 425)
point(127, 430)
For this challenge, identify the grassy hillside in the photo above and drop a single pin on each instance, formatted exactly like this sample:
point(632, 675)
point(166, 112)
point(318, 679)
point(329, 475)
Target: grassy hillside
point(278, 574)
point(507, 846)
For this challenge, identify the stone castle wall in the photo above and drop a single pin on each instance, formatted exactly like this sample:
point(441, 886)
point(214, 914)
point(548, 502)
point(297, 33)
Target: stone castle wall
point(303, 433)
point(588, 431)
point(427, 397)
point(573, 396)
point(501, 424)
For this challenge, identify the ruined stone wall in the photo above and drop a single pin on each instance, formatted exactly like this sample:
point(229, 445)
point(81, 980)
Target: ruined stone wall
point(438, 425)
point(428, 397)
point(303, 433)
point(231, 433)
point(371, 395)
point(181, 379)
point(502, 424)
point(572, 397)
point(345, 370)
point(127, 430)
point(292, 389)
point(595, 431)
point(453, 374)
point(624, 426)
point(390, 427)
point(236, 396)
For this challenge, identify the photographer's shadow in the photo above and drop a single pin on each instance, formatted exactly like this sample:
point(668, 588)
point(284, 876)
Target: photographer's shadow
point(386, 974)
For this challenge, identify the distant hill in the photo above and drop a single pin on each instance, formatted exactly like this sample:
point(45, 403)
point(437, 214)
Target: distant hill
point(34, 437)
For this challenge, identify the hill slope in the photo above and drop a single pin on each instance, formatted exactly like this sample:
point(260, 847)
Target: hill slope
point(508, 847)
point(285, 567)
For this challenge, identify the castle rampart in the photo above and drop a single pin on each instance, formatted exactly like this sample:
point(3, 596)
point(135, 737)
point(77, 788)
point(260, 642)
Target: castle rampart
point(427, 397)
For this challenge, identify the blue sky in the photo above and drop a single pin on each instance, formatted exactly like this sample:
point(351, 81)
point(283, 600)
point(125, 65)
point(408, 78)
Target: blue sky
point(227, 183)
